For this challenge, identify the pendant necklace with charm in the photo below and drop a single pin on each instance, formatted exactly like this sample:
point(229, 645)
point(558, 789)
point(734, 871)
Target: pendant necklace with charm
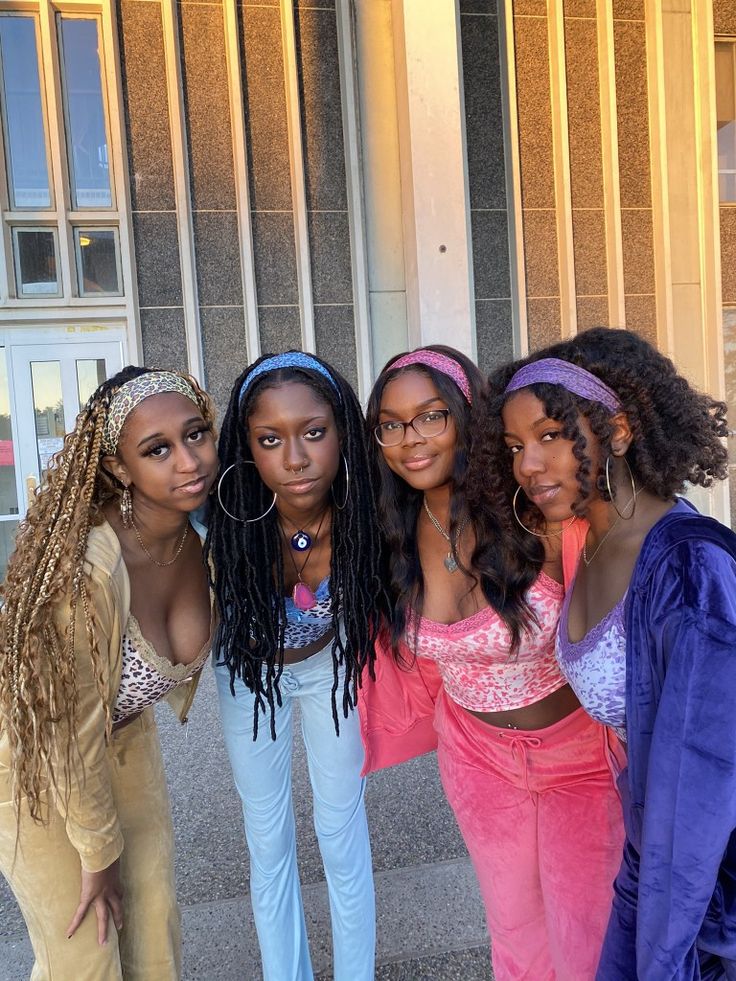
point(302, 596)
point(449, 560)
point(301, 540)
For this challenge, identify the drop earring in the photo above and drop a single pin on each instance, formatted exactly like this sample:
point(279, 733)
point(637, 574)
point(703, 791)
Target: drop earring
point(126, 508)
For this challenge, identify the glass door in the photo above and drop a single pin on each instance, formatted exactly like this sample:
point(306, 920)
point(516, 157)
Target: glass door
point(44, 387)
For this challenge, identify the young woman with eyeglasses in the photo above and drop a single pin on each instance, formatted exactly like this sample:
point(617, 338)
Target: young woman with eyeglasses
point(525, 770)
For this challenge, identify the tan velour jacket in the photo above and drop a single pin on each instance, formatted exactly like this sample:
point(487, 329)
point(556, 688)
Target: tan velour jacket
point(87, 802)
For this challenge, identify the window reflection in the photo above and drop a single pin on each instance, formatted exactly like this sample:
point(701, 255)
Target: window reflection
point(90, 375)
point(35, 262)
point(85, 111)
point(8, 489)
point(48, 409)
point(23, 114)
point(97, 260)
point(726, 113)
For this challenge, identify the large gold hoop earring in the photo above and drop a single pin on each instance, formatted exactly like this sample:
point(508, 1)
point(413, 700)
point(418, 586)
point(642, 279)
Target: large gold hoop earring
point(546, 534)
point(243, 521)
point(341, 507)
point(634, 489)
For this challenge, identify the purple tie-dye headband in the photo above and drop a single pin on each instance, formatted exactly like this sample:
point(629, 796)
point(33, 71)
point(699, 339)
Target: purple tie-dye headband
point(579, 381)
point(440, 362)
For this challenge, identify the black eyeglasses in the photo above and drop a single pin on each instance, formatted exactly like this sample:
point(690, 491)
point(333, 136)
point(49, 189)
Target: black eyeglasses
point(426, 424)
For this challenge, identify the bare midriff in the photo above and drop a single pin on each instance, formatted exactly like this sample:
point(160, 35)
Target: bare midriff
point(293, 655)
point(539, 715)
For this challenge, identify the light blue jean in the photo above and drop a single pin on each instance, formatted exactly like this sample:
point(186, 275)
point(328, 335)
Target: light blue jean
point(262, 772)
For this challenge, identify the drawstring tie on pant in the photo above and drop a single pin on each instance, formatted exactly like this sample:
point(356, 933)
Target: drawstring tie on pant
point(520, 745)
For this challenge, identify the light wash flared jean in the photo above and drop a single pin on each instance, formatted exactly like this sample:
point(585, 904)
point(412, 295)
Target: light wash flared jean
point(262, 773)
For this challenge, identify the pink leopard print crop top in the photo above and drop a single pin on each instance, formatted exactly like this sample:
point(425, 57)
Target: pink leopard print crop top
point(147, 677)
point(473, 655)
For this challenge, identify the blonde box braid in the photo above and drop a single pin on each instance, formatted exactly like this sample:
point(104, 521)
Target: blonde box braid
point(38, 678)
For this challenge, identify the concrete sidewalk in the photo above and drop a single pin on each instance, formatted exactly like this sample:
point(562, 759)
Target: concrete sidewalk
point(430, 917)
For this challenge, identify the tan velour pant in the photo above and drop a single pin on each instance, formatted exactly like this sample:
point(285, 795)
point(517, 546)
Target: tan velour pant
point(45, 876)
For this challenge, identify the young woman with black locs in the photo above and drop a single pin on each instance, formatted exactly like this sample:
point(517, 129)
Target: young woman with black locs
point(295, 546)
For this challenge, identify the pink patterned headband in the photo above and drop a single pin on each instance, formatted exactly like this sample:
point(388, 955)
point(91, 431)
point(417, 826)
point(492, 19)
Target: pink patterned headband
point(440, 362)
point(579, 381)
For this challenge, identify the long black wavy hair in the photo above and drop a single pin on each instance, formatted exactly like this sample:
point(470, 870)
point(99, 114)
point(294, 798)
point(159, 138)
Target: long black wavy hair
point(248, 563)
point(504, 561)
point(677, 430)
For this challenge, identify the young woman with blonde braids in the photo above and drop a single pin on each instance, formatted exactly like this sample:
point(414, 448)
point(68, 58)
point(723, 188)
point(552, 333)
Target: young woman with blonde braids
point(106, 610)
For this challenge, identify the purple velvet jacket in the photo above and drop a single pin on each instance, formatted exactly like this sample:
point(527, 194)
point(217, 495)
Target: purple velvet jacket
point(674, 909)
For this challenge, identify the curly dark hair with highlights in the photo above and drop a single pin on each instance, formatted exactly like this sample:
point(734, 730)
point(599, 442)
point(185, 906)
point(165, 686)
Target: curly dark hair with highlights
point(677, 430)
point(505, 561)
point(248, 562)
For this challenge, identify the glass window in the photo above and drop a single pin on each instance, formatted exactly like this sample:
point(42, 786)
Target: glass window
point(97, 260)
point(25, 139)
point(90, 375)
point(8, 489)
point(35, 261)
point(48, 408)
point(85, 113)
point(726, 115)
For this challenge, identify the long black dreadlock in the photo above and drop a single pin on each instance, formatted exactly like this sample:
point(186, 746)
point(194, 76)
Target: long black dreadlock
point(249, 573)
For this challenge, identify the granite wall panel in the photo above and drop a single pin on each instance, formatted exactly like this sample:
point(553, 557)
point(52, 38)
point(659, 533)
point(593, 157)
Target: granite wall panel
point(280, 329)
point(632, 113)
point(637, 238)
point(321, 109)
point(540, 249)
point(478, 7)
point(584, 112)
point(217, 249)
point(724, 21)
point(329, 242)
point(334, 329)
point(494, 333)
point(589, 244)
point(264, 94)
point(157, 259)
point(728, 255)
point(225, 351)
point(534, 111)
point(483, 114)
point(593, 312)
point(579, 8)
point(146, 106)
point(545, 323)
point(164, 339)
point(490, 238)
point(275, 259)
point(641, 316)
point(536, 8)
point(628, 10)
point(206, 98)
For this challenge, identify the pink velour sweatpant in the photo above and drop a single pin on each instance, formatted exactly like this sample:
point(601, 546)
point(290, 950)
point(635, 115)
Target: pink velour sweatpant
point(543, 825)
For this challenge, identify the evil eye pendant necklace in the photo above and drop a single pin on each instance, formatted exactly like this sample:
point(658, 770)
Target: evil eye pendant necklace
point(302, 595)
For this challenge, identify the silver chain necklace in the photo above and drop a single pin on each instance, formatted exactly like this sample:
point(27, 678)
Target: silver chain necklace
point(449, 560)
point(586, 559)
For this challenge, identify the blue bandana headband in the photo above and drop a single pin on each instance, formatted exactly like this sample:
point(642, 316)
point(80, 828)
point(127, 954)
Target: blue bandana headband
point(579, 381)
point(291, 359)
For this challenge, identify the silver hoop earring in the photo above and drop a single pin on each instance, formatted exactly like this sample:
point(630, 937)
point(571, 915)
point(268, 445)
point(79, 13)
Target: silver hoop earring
point(634, 489)
point(243, 521)
point(341, 507)
point(546, 534)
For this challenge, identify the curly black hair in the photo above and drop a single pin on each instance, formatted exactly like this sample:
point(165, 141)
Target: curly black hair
point(677, 430)
point(504, 560)
point(248, 574)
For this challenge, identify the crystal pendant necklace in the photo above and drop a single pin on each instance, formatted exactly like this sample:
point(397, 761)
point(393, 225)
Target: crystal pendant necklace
point(449, 560)
point(302, 595)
